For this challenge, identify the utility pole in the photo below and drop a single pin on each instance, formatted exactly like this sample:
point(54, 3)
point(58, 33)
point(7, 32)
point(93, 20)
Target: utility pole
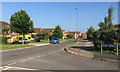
point(77, 23)
point(80, 30)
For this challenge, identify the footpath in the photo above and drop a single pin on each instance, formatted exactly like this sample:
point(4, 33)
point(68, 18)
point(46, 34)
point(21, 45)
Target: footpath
point(86, 49)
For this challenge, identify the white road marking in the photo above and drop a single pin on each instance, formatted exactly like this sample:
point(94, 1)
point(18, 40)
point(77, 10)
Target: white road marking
point(43, 55)
point(12, 63)
point(17, 68)
point(6, 68)
point(57, 51)
point(23, 60)
point(38, 56)
point(50, 53)
point(54, 52)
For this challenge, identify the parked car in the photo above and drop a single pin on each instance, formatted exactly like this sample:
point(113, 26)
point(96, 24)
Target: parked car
point(55, 40)
point(37, 39)
point(25, 40)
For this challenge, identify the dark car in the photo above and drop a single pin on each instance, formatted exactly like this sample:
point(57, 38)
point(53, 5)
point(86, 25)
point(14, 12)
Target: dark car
point(55, 40)
point(37, 39)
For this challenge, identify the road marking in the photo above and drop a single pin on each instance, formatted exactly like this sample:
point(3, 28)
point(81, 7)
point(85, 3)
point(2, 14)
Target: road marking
point(50, 53)
point(23, 60)
point(57, 51)
point(38, 56)
point(54, 52)
point(12, 63)
point(6, 68)
point(17, 68)
point(43, 55)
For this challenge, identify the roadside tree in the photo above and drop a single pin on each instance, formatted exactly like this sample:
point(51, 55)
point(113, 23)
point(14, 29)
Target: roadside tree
point(70, 35)
point(90, 33)
point(20, 23)
point(57, 32)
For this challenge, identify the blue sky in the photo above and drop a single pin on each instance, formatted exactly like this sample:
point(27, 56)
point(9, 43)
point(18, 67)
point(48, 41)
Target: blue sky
point(50, 14)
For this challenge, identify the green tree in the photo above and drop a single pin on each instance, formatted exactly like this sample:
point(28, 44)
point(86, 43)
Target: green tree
point(101, 25)
point(44, 36)
point(90, 33)
point(20, 23)
point(106, 23)
point(70, 35)
point(32, 35)
point(110, 15)
point(57, 32)
point(5, 31)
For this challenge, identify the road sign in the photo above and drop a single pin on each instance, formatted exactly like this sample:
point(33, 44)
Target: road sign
point(77, 33)
point(109, 45)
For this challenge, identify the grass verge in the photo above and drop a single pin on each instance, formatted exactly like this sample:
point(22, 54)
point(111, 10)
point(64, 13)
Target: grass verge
point(7, 47)
point(62, 40)
point(72, 45)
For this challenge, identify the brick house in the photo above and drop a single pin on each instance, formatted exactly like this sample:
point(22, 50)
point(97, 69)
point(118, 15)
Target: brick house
point(64, 33)
point(36, 31)
point(10, 33)
point(84, 36)
point(75, 35)
point(48, 30)
point(5, 24)
point(69, 32)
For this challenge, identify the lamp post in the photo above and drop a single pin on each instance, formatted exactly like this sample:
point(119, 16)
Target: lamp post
point(77, 23)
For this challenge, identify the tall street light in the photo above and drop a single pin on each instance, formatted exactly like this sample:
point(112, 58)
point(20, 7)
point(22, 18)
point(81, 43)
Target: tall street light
point(77, 23)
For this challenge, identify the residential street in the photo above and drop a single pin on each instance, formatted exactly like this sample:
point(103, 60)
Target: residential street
point(53, 57)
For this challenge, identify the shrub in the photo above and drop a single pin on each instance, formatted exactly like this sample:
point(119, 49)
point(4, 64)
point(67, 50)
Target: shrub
point(70, 35)
point(4, 40)
point(32, 35)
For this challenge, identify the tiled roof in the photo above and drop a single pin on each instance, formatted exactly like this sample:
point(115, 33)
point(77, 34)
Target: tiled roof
point(70, 32)
point(37, 30)
point(47, 29)
point(4, 23)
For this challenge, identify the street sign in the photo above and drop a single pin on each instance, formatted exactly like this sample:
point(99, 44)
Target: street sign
point(109, 45)
point(77, 33)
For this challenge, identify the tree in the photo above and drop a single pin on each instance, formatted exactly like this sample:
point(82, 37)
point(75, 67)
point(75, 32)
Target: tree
point(106, 23)
point(57, 32)
point(102, 26)
point(90, 33)
point(20, 23)
point(110, 11)
point(70, 35)
point(5, 31)
point(43, 35)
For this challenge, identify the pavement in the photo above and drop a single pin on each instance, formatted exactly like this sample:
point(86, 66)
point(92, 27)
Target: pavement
point(52, 57)
point(85, 49)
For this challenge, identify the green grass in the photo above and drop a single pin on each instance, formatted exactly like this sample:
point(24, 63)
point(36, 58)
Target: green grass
point(7, 47)
point(62, 40)
point(70, 46)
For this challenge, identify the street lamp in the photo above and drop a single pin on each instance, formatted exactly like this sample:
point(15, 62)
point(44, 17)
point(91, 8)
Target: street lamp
point(77, 23)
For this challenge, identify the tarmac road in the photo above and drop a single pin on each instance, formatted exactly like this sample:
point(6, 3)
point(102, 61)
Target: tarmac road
point(53, 57)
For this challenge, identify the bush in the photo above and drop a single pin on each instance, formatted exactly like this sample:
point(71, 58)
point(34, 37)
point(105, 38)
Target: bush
point(70, 35)
point(32, 35)
point(4, 40)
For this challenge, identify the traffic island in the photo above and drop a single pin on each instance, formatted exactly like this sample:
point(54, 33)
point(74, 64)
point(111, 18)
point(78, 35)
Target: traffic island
point(85, 49)
point(77, 49)
point(80, 52)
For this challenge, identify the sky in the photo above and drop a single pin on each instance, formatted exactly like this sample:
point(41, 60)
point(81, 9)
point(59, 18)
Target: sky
point(51, 14)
